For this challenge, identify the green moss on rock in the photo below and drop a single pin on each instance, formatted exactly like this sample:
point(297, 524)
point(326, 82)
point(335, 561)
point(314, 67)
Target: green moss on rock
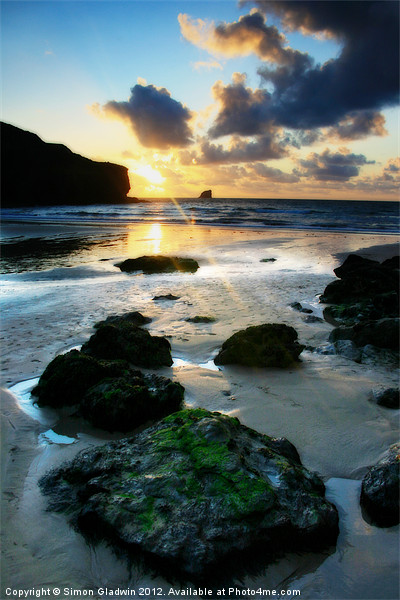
point(192, 490)
point(268, 345)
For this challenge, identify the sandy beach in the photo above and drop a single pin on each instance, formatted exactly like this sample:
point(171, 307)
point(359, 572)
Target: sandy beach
point(321, 406)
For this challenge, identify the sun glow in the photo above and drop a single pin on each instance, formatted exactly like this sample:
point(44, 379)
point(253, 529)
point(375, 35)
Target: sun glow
point(150, 174)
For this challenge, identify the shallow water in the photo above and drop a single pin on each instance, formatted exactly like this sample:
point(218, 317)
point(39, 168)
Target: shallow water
point(322, 406)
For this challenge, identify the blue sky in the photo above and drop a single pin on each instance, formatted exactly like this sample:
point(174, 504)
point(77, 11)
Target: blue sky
point(222, 93)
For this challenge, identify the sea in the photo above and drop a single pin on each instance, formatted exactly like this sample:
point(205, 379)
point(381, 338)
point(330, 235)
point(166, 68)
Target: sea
point(380, 217)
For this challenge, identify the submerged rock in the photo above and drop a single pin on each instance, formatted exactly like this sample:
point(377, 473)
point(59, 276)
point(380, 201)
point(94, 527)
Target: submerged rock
point(193, 491)
point(268, 345)
point(380, 490)
point(158, 264)
point(200, 319)
point(121, 339)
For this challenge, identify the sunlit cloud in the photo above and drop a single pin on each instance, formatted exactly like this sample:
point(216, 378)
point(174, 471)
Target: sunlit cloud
point(207, 65)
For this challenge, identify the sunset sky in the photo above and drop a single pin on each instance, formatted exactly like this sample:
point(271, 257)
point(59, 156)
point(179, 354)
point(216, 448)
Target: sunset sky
point(251, 99)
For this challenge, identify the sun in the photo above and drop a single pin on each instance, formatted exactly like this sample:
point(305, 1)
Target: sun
point(150, 174)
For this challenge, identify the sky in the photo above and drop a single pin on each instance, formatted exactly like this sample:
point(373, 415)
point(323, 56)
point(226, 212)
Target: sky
point(263, 98)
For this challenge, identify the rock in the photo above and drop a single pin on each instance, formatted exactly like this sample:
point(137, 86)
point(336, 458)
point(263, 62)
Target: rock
point(110, 394)
point(200, 319)
point(266, 260)
point(123, 340)
point(383, 333)
point(166, 297)
point(55, 174)
point(193, 492)
point(388, 397)
point(124, 403)
point(299, 307)
point(158, 264)
point(134, 318)
point(312, 318)
point(348, 349)
point(206, 194)
point(67, 378)
point(363, 281)
point(268, 345)
point(380, 490)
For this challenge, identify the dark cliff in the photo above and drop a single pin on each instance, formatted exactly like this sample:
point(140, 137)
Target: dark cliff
point(34, 172)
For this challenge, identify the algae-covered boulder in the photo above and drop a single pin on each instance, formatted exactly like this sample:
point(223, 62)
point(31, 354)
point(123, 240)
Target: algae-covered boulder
point(268, 345)
point(124, 403)
point(158, 264)
point(193, 491)
point(110, 394)
point(380, 490)
point(134, 318)
point(122, 339)
point(67, 378)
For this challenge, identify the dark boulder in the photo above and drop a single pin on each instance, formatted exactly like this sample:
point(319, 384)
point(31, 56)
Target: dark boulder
point(387, 397)
point(166, 297)
point(134, 318)
point(124, 403)
point(363, 280)
point(158, 264)
point(67, 378)
point(193, 491)
point(268, 345)
point(121, 339)
point(55, 174)
point(383, 333)
point(380, 490)
point(200, 319)
point(206, 194)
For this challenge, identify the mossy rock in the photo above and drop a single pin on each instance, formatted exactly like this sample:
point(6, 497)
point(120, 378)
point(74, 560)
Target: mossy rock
point(193, 491)
point(122, 404)
point(268, 345)
point(122, 339)
point(200, 319)
point(134, 318)
point(158, 264)
point(67, 378)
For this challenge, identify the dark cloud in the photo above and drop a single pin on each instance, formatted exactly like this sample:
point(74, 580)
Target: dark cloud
point(264, 147)
point(362, 80)
point(332, 166)
point(157, 120)
point(360, 125)
point(275, 175)
point(243, 111)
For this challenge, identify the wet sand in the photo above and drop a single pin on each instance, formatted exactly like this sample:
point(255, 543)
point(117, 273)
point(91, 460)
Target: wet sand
point(321, 406)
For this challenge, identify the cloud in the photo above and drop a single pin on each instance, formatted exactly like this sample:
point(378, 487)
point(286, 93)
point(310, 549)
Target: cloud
point(210, 64)
point(345, 93)
point(242, 110)
point(157, 120)
point(263, 147)
point(364, 77)
point(275, 175)
point(360, 125)
point(249, 35)
point(332, 166)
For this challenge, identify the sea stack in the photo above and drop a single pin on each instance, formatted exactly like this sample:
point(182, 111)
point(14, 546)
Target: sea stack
point(206, 194)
